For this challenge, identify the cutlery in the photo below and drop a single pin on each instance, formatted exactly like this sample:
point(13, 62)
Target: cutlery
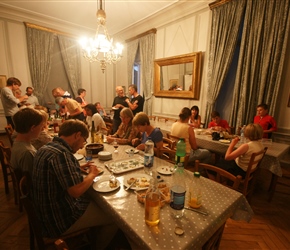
point(130, 185)
point(196, 210)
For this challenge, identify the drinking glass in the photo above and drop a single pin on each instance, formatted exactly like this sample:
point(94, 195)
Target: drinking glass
point(89, 155)
point(115, 144)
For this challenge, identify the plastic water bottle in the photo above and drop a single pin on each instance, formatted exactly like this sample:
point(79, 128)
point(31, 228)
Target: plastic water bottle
point(148, 156)
point(152, 204)
point(195, 192)
point(178, 191)
point(242, 139)
point(180, 151)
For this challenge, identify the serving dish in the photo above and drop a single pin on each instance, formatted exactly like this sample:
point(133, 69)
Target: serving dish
point(125, 165)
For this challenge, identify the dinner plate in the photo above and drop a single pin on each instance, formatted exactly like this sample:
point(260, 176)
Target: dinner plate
point(103, 184)
point(224, 141)
point(136, 151)
point(165, 170)
point(141, 183)
point(78, 156)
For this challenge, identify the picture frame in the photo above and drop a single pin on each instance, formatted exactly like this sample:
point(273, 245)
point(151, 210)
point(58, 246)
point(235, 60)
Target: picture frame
point(3, 80)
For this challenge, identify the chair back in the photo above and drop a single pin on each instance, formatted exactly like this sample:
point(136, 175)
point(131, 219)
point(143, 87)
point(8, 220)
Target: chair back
point(169, 155)
point(5, 154)
point(247, 184)
point(219, 175)
point(9, 131)
point(109, 127)
point(169, 144)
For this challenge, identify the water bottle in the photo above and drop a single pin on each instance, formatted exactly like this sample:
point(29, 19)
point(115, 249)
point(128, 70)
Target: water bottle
point(180, 151)
point(152, 204)
point(178, 191)
point(195, 193)
point(242, 139)
point(148, 156)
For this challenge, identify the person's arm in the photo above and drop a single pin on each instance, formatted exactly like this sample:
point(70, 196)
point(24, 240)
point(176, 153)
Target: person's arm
point(232, 154)
point(132, 106)
point(79, 189)
point(192, 140)
point(104, 112)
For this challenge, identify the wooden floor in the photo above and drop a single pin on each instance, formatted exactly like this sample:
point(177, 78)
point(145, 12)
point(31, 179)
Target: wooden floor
point(269, 228)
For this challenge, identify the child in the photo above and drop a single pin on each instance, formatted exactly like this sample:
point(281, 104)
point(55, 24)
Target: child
point(236, 161)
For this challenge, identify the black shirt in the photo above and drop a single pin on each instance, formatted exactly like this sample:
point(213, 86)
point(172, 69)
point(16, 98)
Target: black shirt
point(119, 100)
point(140, 103)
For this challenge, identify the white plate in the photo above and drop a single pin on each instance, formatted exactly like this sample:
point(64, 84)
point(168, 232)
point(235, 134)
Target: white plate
point(224, 141)
point(135, 152)
point(78, 156)
point(139, 177)
point(115, 108)
point(103, 185)
point(164, 170)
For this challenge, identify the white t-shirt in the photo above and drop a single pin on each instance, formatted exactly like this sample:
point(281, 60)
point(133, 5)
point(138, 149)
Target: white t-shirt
point(98, 121)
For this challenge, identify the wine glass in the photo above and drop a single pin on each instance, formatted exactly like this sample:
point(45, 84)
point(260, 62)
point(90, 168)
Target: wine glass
point(115, 144)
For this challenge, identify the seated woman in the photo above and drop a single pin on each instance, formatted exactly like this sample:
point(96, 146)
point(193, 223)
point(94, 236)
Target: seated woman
point(43, 137)
point(181, 129)
point(236, 161)
point(100, 109)
point(218, 124)
point(141, 121)
point(195, 119)
point(93, 115)
point(126, 131)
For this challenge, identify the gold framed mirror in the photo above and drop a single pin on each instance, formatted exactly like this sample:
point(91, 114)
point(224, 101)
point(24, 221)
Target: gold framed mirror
point(178, 76)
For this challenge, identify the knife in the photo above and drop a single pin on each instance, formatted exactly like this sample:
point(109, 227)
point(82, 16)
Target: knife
point(196, 210)
point(130, 185)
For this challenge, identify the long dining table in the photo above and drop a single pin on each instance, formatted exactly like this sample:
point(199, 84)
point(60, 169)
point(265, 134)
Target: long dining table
point(218, 201)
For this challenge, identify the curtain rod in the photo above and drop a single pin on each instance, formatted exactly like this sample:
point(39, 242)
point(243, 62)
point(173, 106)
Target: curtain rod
point(218, 3)
point(35, 26)
point(141, 35)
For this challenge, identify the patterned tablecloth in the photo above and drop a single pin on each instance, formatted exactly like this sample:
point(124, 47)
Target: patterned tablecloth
point(219, 202)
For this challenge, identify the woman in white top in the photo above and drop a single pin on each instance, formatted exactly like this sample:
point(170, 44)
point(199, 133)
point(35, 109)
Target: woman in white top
point(182, 129)
point(236, 161)
point(93, 115)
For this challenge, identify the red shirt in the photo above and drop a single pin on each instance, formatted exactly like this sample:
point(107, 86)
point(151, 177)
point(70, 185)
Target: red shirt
point(222, 123)
point(267, 123)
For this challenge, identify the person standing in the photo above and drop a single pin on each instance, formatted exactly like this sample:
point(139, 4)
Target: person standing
point(59, 92)
point(81, 98)
point(32, 100)
point(9, 101)
point(72, 106)
point(266, 121)
point(137, 102)
point(118, 103)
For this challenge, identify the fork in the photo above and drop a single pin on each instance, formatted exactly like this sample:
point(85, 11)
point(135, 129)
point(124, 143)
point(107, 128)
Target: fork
point(131, 185)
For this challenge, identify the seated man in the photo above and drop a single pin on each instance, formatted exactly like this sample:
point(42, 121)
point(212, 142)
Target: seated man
point(28, 125)
point(59, 187)
point(218, 124)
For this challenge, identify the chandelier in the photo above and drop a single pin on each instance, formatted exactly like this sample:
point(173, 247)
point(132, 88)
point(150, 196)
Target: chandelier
point(101, 48)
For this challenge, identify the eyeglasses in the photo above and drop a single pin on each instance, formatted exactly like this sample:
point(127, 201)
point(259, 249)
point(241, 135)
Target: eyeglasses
point(85, 140)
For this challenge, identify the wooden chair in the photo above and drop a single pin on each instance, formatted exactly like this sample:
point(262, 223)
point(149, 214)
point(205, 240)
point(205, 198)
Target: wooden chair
point(219, 175)
point(60, 244)
point(152, 117)
point(283, 182)
point(9, 131)
point(109, 127)
point(35, 225)
point(161, 118)
point(169, 156)
point(9, 174)
point(247, 184)
point(169, 144)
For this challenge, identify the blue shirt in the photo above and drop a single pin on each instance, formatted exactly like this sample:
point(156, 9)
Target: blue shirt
point(156, 136)
point(55, 169)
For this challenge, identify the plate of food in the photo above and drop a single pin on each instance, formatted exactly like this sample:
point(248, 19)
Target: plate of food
point(224, 141)
point(136, 151)
point(105, 184)
point(78, 156)
point(166, 170)
point(125, 165)
point(142, 181)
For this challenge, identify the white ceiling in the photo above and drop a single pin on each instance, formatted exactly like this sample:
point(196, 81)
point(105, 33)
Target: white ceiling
point(121, 14)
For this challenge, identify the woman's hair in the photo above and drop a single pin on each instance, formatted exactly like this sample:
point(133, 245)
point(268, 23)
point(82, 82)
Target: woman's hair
point(13, 80)
point(69, 127)
point(92, 107)
point(196, 109)
point(81, 91)
point(25, 118)
point(254, 132)
point(44, 115)
point(184, 113)
point(141, 119)
point(127, 112)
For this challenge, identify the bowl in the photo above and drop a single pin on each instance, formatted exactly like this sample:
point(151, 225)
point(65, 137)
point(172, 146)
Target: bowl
point(95, 147)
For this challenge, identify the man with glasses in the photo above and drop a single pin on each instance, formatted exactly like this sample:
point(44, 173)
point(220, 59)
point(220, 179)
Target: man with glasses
point(59, 187)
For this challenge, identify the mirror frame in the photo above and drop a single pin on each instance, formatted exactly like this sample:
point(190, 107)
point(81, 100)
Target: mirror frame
point(194, 58)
